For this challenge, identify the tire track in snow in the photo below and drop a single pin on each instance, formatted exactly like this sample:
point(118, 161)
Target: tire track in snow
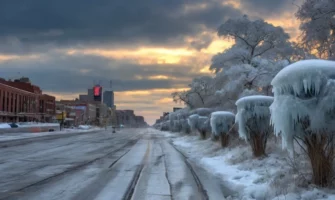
point(67, 171)
point(131, 188)
point(201, 188)
point(166, 172)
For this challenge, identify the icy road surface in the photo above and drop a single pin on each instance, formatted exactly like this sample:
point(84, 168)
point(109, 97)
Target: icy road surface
point(137, 164)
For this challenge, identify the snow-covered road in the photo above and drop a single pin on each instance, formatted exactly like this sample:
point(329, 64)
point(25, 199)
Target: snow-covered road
point(131, 164)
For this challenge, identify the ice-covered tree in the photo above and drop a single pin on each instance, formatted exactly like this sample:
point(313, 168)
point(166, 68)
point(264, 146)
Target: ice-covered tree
point(253, 118)
point(199, 95)
point(252, 39)
point(304, 111)
point(184, 97)
point(221, 122)
point(318, 26)
point(245, 80)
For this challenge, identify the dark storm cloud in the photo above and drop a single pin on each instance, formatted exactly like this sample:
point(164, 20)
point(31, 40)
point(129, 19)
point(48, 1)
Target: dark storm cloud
point(25, 24)
point(62, 73)
point(267, 7)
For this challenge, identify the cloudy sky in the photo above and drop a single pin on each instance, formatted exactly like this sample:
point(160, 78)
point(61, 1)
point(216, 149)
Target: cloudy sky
point(149, 48)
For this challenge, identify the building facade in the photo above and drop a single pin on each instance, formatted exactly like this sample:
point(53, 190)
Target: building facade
point(80, 112)
point(21, 101)
point(108, 98)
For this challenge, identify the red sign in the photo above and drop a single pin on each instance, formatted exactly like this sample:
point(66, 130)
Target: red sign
point(97, 91)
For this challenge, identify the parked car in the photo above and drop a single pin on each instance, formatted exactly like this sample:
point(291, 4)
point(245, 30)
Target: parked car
point(13, 125)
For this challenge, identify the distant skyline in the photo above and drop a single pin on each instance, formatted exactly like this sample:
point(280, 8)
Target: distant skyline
point(148, 48)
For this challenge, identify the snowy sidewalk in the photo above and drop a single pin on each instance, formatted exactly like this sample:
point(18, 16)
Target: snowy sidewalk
point(270, 178)
point(18, 136)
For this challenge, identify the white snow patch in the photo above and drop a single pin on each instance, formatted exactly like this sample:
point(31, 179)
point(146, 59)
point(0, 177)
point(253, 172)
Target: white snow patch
point(16, 136)
point(5, 125)
point(35, 124)
point(271, 178)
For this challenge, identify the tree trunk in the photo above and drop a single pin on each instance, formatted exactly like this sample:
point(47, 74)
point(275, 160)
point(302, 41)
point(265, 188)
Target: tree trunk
point(224, 140)
point(257, 145)
point(203, 135)
point(214, 138)
point(320, 151)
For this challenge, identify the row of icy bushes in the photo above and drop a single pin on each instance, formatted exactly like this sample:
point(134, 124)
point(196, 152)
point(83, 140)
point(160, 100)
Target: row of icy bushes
point(302, 111)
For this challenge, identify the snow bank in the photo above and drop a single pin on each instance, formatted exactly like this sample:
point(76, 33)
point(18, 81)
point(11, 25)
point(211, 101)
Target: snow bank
point(84, 127)
point(221, 122)
point(28, 124)
point(35, 124)
point(270, 178)
point(304, 90)
point(5, 125)
point(16, 136)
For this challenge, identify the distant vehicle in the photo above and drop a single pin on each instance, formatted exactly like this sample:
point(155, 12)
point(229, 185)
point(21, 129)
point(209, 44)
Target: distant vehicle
point(13, 125)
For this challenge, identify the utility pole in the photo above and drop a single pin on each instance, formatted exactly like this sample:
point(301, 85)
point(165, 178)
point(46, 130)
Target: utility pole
point(62, 122)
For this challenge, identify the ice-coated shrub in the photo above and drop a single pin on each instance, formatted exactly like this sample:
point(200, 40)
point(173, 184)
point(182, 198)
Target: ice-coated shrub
point(192, 122)
point(165, 126)
point(158, 126)
point(202, 111)
point(172, 124)
point(304, 110)
point(253, 118)
point(183, 113)
point(199, 124)
point(203, 126)
point(176, 126)
point(185, 127)
point(177, 119)
point(221, 122)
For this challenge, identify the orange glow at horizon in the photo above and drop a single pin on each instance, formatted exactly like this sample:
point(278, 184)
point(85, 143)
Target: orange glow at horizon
point(144, 55)
point(152, 103)
point(158, 101)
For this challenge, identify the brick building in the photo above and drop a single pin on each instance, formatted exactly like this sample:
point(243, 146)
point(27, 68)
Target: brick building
point(89, 114)
point(22, 101)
